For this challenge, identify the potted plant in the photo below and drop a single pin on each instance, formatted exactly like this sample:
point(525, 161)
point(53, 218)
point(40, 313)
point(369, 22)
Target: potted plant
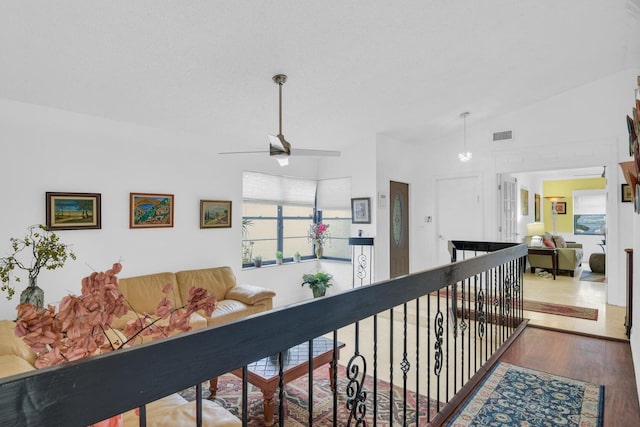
point(318, 282)
point(47, 252)
point(257, 261)
point(279, 257)
point(297, 257)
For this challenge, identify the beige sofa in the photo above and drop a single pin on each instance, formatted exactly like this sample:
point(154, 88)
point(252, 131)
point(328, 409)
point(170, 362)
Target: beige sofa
point(170, 411)
point(235, 301)
point(569, 256)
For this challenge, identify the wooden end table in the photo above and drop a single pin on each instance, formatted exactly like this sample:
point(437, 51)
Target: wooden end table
point(553, 253)
point(264, 372)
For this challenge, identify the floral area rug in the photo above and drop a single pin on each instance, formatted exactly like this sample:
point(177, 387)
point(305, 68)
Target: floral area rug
point(230, 396)
point(515, 396)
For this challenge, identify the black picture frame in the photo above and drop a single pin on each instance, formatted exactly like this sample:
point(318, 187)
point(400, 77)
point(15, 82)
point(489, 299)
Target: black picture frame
point(73, 211)
point(626, 193)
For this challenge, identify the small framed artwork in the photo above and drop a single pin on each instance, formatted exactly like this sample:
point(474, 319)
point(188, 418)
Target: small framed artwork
point(361, 210)
point(215, 214)
point(73, 211)
point(148, 210)
point(627, 194)
point(524, 202)
point(561, 208)
point(536, 207)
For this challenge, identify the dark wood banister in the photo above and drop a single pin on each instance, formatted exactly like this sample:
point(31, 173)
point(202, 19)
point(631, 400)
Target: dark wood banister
point(89, 390)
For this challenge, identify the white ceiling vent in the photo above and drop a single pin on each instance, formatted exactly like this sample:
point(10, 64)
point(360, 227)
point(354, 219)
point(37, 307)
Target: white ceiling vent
point(502, 136)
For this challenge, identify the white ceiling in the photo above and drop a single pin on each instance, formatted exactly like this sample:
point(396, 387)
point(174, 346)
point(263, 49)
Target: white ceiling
point(356, 68)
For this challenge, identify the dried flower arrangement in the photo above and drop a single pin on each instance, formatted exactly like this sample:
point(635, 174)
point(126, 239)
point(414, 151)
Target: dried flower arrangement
point(82, 325)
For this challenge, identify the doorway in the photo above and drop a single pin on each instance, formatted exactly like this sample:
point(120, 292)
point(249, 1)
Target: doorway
point(398, 229)
point(459, 213)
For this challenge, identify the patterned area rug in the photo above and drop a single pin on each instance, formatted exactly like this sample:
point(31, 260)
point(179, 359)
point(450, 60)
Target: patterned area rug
point(516, 396)
point(230, 396)
point(557, 309)
point(589, 276)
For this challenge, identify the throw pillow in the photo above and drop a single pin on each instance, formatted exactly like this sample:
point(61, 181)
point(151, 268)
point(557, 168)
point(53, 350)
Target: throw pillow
point(559, 241)
point(548, 243)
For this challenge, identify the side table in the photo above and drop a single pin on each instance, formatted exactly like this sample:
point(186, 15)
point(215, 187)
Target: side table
point(553, 253)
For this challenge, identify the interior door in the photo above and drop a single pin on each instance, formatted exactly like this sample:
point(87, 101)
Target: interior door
point(398, 229)
point(508, 196)
point(459, 213)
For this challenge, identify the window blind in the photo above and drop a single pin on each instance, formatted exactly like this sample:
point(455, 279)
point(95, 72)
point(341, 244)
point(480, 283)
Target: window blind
point(264, 188)
point(589, 202)
point(334, 193)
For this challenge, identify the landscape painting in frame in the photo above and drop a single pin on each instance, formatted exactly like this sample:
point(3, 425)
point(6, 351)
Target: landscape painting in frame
point(73, 211)
point(148, 210)
point(215, 214)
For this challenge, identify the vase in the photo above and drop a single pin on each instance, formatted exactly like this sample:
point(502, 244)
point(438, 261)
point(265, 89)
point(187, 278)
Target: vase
point(317, 292)
point(115, 421)
point(319, 250)
point(33, 294)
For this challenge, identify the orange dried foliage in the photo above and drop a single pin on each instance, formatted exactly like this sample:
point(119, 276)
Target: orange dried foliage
point(79, 327)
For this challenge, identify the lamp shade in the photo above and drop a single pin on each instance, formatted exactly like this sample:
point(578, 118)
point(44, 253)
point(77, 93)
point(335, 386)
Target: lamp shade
point(535, 229)
point(554, 198)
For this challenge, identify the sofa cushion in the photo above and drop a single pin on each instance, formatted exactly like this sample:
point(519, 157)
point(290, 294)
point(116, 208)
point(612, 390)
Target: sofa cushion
point(559, 242)
point(11, 364)
point(11, 344)
point(229, 310)
point(249, 294)
point(548, 243)
point(175, 411)
point(143, 293)
point(217, 281)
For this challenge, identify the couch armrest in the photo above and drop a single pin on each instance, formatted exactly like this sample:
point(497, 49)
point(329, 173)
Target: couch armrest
point(574, 245)
point(249, 294)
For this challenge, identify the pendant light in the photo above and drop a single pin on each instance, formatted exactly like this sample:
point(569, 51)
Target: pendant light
point(465, 156)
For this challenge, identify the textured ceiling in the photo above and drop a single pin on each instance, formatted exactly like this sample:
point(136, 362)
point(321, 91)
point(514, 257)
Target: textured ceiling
point(356, 68)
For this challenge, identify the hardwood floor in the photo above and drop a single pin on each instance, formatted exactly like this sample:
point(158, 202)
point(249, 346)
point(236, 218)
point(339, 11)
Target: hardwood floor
point(596, 360)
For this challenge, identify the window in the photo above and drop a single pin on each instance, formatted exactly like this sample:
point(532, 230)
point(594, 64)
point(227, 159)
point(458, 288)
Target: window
point(278, 211)
point(589, 212)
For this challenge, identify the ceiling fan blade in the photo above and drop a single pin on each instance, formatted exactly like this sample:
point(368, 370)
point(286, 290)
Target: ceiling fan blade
point(306, 152)
point(245, 152)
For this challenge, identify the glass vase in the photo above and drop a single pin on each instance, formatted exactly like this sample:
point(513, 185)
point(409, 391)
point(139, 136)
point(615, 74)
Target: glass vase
point(33, 294)
point(319, 251)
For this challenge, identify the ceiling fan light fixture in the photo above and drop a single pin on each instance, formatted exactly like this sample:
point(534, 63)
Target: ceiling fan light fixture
point(466, 155)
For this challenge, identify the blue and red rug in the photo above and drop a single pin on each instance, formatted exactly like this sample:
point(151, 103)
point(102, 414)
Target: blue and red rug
point(515, 396)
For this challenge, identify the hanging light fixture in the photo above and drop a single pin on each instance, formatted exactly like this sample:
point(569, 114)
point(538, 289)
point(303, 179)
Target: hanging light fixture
point(465, 156)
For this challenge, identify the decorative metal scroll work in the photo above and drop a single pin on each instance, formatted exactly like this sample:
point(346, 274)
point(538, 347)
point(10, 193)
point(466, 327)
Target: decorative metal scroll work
point(356, 396)
point(362, 266)
point(437, 366)
point(481, 314)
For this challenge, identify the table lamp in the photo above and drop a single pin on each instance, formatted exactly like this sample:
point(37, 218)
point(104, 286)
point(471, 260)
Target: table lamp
point(554, 214)
point(536, 231)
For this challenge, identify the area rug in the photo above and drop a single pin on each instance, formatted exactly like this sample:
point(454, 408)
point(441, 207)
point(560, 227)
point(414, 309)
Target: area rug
point(515, 396)
point(590, 276)
point(229, 395)
point(557, 309)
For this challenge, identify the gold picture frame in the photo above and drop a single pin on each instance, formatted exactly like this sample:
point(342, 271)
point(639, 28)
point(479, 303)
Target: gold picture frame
point(215, 214)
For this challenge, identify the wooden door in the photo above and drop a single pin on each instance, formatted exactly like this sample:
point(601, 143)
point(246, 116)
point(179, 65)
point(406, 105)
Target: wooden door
point(398, 229)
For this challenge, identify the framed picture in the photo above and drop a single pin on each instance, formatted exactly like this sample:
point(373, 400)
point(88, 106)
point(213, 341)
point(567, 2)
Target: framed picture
point(524, 202)
point(627, 193)
point(73, 211)
point(561, 208)
point(215, 214)
point(147, 210)
point(361, 210)
point(537, 207)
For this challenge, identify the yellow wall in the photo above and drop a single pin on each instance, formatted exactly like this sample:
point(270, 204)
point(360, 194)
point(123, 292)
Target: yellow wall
point(565, 187)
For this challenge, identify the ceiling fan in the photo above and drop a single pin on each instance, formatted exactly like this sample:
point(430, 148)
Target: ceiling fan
point(279, 147)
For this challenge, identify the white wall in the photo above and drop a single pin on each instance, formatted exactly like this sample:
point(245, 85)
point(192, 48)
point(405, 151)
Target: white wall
point(48, 150)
